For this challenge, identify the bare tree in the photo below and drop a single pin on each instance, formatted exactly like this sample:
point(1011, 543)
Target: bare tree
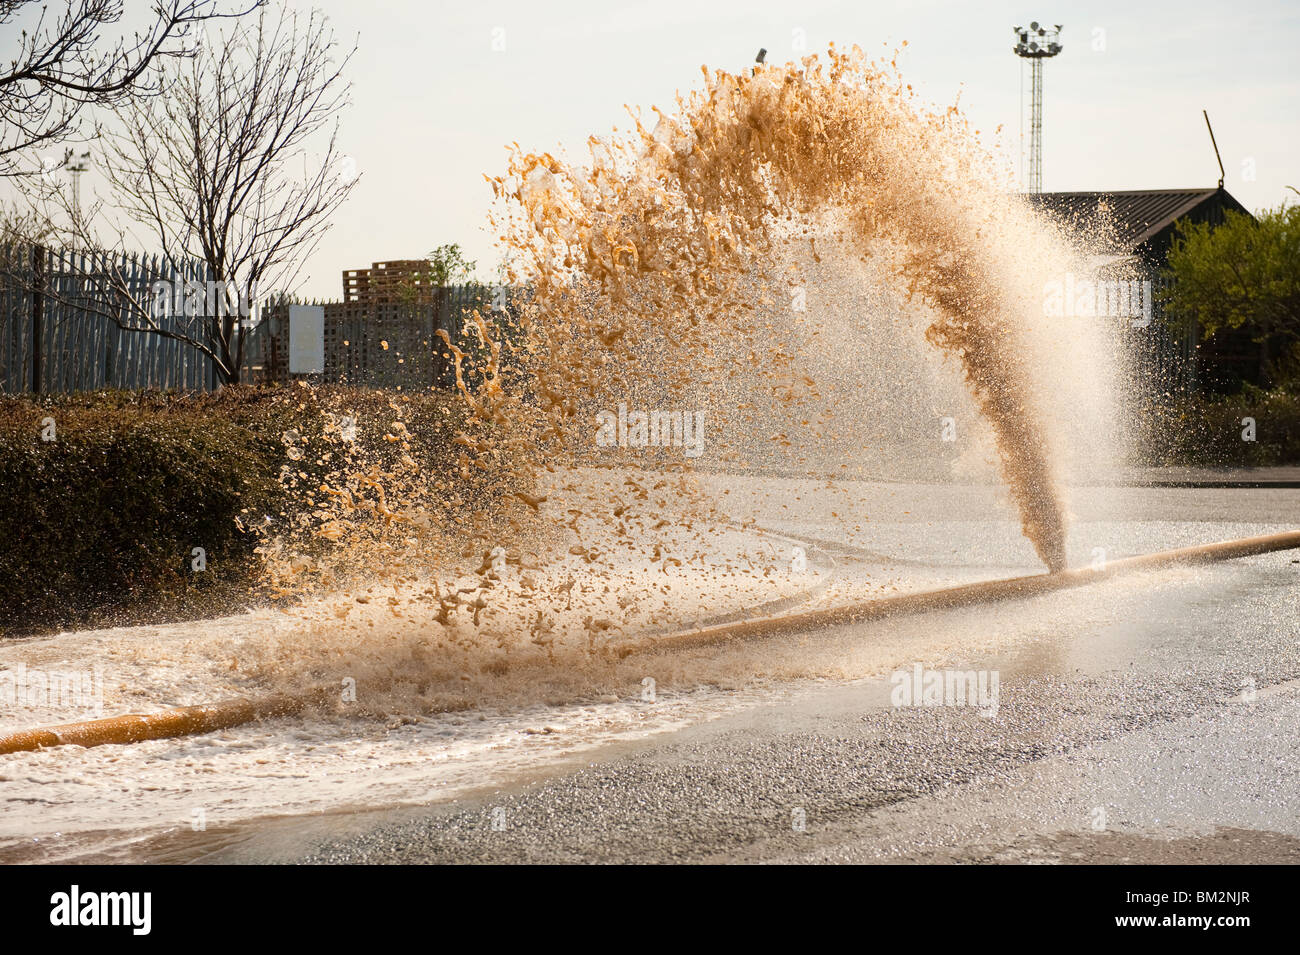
point(234, 166)
point(22, 225)
point(64, 64)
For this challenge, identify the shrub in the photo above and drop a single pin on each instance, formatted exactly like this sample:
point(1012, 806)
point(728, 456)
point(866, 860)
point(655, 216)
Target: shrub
point(99, 525)
point(1207, 431)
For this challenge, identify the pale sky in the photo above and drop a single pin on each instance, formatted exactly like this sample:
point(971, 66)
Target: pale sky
point(435, 105)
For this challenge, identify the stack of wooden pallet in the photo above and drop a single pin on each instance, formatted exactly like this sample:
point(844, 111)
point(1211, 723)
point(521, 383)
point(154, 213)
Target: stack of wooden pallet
point(404, 281)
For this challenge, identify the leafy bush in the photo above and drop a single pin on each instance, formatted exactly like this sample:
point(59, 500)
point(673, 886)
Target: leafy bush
point(1244, 272)
point(99, 525)
point(1208, 431)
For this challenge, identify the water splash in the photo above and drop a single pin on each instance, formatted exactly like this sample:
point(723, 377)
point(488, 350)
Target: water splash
point(644, 265)
point(659, 275)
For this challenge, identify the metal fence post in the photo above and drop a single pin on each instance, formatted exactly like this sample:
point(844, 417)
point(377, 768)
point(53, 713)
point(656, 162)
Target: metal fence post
point(38, 313)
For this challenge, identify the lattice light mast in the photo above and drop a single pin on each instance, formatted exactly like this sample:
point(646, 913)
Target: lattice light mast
point(76, 166)
point(1036, 44)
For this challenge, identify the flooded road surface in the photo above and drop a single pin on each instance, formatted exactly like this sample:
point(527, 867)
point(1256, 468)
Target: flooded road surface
point(1146, 718)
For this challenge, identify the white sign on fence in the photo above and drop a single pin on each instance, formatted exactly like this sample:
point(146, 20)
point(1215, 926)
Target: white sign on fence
point(306, 339)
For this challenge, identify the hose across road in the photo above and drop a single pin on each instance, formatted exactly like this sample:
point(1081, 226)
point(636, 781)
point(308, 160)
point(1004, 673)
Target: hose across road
point(191, 720)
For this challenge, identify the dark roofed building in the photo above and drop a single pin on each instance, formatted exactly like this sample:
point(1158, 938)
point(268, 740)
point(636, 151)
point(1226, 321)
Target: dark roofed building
point(1138, 222)
point(1136, 228)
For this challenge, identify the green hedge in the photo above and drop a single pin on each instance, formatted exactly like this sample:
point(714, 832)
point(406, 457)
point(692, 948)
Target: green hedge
point(98, 526)
point(1207, 431)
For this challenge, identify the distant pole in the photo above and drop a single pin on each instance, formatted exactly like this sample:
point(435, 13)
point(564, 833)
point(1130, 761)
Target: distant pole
point(75, 169)
point(1206, 114)
point(1036, 44)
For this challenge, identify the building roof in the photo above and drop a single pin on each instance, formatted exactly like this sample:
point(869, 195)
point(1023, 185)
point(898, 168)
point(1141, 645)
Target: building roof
point(1134, 216)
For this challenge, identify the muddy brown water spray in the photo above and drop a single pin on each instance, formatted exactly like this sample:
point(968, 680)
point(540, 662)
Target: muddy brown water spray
point(655, 276)
point(669, 240)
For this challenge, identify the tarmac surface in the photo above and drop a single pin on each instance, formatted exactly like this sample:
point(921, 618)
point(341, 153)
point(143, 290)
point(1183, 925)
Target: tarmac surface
point(1151, 719)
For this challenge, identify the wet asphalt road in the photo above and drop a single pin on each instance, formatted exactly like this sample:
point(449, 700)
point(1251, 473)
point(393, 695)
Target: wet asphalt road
point(1144, 720)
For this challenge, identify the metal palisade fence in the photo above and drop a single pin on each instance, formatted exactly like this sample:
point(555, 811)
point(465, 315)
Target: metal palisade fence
point(80, 321)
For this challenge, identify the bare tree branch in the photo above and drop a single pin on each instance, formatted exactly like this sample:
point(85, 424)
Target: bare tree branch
point(234, 165)
point(62, 65)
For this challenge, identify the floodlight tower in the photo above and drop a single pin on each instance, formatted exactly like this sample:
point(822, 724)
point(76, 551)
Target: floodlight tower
point(75, 168)
point(1036, 44)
